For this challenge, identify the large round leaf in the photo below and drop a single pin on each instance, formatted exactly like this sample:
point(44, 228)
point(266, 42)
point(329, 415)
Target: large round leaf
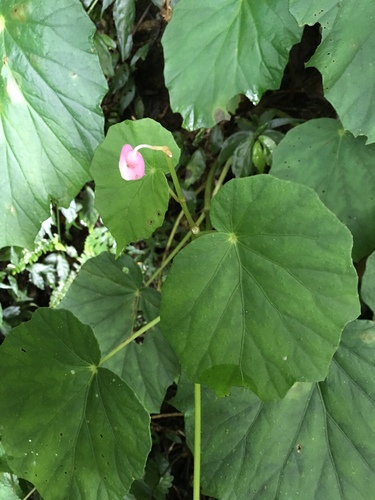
point(225, 47)
point(345, 59)
point(340, 168)
point(51, 86)
point(316, 443)
point(262, 302)
point(133, 209)
point(74, 430)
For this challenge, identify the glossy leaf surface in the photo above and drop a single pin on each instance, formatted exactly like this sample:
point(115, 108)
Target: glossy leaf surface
point(51, 86)
point(88, 416)
point(123, 15)
point(313, 444)
point(265, 298)
point(340, 168)
point(133, 209)
point(220, 43)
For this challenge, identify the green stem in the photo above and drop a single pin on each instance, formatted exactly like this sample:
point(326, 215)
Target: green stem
point(180, 196)
point(177, 249)
point(58, 223)
point(169, 242)
point(130, 339)
point(174, 196)
point(169, 258)
point(197, 442)
point(222, 176)
point(173, 233)
point(208, 193)
point(30, 493)
point(92, 7)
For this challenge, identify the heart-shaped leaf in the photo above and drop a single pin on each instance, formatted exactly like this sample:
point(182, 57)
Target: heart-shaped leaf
point(346, 183)
point(265, 298)
point(72, 428)
point(51, 86)
point(133, 209)
point(314, 444)
point(220, 43)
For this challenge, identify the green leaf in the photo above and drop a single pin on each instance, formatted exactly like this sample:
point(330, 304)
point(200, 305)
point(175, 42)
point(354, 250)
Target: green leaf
point(156, 483)
point(150, 368)
point(104, 54)
point(133, 209)
point(313, 444)
point(88, 214)
point(51, 86)
point(262, 302)
point(242, 157)
point(123, 15)
point(220, 43)
point(323, 12)
point(195, 167)
point(75, 430)
point(154, 361)
point(368, 283)
point(340, 168)
point(346, 68)
point(4, 466)
point(106, 295)
point(9, 487)
point(258, 156)
point(238, 140)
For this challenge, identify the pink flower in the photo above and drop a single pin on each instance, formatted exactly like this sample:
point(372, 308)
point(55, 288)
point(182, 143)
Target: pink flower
point(131, 164)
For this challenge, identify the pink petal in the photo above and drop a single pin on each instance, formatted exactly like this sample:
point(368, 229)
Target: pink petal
point(131, 163)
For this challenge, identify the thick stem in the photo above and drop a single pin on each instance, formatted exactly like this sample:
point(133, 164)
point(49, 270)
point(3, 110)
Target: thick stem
point(197, 442)
point(130, 339)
